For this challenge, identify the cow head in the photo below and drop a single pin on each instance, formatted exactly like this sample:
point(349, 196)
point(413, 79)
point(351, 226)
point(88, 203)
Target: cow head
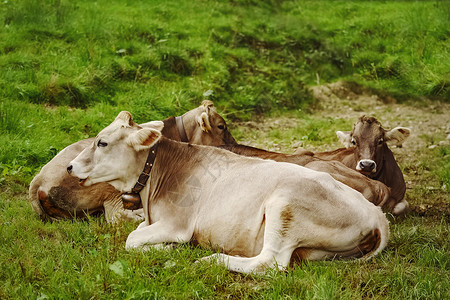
point(204, 126)
point(369, 138)
point(117, 153)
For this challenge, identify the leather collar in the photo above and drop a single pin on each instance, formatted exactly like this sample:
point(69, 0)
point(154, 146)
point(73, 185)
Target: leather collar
point(132, 200)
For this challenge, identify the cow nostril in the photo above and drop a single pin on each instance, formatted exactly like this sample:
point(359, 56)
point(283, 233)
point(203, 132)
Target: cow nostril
point(69, 169)
point(367, 165)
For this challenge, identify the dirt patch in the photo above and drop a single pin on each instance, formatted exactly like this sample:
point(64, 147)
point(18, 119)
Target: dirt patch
point(431, 210)
point(349, 101)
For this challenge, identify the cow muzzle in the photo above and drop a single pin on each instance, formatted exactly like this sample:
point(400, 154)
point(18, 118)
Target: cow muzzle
point(71, 169)
point(366, 166)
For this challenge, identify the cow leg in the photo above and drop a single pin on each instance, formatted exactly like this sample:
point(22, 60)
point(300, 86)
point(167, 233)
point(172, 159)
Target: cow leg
point(276, 251)
point(143, 224)
point(156, 233)
point(400, 207)
point(267, 259)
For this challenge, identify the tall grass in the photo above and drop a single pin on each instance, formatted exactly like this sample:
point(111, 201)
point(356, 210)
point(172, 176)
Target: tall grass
point(251, 56)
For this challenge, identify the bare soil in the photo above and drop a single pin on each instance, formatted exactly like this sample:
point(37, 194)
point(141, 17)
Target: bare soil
point(350, 101)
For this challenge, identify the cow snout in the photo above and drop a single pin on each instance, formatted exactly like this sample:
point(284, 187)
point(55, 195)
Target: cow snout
point(69, 169)
point(366, 165)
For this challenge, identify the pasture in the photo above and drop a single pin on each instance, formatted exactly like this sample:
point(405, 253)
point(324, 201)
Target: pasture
point(272, 68)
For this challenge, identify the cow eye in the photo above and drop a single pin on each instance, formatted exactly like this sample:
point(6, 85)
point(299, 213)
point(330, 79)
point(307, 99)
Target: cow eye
point(381, 141)
point(221, 127)
point(102, 144)
point(353, 142)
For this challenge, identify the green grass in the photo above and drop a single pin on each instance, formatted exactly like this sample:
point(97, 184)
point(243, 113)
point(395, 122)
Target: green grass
point(68, 67)
point(85, 61)
point(251, 56)
point(87, 259)
point(75, 259)
point(159, 58)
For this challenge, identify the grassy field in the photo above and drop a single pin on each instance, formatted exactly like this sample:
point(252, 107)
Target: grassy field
point(69, 67)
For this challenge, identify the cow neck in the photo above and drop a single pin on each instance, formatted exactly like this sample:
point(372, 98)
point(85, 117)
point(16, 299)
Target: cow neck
point(132, 200)
point(380, 166)
point(377, 175)
point(181, 129)
point(173, 166)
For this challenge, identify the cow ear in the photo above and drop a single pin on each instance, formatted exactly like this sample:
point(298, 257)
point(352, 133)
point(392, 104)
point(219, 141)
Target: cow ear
point(203, 122)
point(397, 135)
point(208, 104)
point(345, 138)
point(157, 125)
point(144, 138)
point(207, 108)
point(126, 117)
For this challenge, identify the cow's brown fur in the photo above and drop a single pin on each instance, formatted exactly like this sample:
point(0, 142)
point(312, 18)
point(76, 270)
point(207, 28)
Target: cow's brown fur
point(387, 169)
point(165, 180)
point(374, 191)
point(286, 219)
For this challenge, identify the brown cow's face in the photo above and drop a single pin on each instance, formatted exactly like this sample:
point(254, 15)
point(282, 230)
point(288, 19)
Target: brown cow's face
point(369, 139)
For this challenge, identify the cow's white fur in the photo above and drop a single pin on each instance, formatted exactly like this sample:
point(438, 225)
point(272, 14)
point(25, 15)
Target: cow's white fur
point(345, 138)
point(99, 197)
point(397, 135)
point(239, 211)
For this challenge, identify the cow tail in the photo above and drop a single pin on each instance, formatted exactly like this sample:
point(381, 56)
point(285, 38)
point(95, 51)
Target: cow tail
point(372, 243)
point(34, 194)
point(376, 240)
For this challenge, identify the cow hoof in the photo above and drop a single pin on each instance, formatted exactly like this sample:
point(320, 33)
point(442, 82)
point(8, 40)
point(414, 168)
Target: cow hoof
point(214, 258)
point(147, 248)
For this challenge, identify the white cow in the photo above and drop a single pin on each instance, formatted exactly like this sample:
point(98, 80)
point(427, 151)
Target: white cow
point(258, 213)
point(55, 195)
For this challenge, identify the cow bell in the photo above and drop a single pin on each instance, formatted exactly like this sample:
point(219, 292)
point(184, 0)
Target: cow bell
point(131, 201)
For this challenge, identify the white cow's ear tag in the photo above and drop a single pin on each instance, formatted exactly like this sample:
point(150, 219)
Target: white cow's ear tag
point(131, 201)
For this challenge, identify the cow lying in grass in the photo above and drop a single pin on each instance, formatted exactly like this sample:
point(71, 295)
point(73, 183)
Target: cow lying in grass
point(374, 191)
point(367, 152)
point(54, 194)
point(264, 211)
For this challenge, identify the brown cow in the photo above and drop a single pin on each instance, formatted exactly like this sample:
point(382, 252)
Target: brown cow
point(258, 213)
point(54, 194)
point(374, 191)
point(367, 152)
